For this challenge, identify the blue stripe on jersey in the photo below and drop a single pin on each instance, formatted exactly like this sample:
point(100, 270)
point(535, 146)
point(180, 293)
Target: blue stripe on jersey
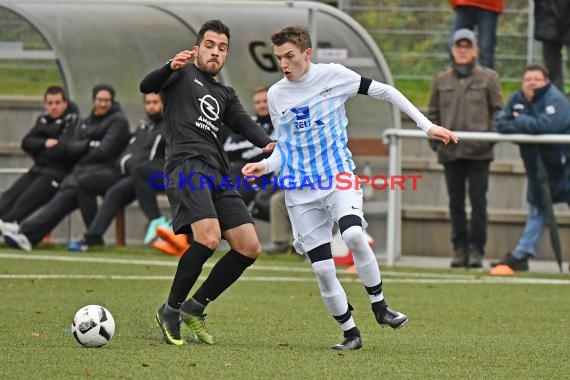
point(282, 136)
point(311, 147)
point(323, 141)
point(336, 121)
point(300, 155)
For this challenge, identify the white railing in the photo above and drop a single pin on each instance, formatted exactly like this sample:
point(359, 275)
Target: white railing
point(393, 137)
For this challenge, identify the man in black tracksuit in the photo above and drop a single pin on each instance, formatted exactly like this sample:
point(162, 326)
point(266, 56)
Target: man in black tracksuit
point(240, 151)
point(46, 143)
point(143, 156)
point(97, 144)
point(202, 203)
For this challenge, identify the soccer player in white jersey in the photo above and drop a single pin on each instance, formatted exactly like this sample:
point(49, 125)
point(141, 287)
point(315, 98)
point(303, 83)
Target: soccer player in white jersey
point(307, 109)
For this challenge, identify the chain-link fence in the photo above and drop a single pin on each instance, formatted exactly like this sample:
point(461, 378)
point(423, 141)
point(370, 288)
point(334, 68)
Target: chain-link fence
point(414, 35)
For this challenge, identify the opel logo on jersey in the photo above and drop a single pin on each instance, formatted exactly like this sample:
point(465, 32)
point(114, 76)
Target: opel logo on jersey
point(209, 107)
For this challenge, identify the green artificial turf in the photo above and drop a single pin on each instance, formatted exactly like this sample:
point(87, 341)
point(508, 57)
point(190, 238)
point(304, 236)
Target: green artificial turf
point(273, 324)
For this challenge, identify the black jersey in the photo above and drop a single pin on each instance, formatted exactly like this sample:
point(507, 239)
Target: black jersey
point(196, 108)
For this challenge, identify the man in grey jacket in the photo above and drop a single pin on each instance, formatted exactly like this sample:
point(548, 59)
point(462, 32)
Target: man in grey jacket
point(466, 97)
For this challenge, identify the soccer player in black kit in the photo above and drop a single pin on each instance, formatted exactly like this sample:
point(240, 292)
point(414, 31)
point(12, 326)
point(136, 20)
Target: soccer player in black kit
point(195, 107)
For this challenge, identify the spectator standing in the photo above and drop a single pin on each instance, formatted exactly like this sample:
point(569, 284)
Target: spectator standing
point(484, 15)
point(552, 28)
point(466, 97)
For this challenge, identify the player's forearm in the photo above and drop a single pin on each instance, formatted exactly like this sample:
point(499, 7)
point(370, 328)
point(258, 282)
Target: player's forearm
point(154, 81)
point(273, 162)
point(388, 93)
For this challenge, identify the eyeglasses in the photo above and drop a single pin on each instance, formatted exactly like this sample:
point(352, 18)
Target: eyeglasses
point(103, 100)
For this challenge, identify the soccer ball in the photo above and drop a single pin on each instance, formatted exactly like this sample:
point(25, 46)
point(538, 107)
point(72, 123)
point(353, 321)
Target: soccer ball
point(340, 252)
point(93, 326)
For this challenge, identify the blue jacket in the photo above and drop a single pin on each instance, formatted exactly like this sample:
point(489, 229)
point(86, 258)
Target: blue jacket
point(548, 113)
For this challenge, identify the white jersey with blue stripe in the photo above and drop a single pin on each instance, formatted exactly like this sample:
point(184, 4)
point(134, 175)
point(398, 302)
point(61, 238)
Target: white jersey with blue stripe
point(310, 119)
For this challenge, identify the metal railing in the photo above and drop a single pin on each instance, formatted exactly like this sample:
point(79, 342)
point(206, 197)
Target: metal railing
point(393, 137)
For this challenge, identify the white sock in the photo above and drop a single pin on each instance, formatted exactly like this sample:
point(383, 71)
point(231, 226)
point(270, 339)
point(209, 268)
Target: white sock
point(332, 292)
point(364, 259)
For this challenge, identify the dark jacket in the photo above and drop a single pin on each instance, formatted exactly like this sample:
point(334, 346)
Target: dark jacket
point(241, 150)
point(146, 145)
point(552, 21)
point(548, 113)
point(111, 129)
point(52, 161)
point(465, 104)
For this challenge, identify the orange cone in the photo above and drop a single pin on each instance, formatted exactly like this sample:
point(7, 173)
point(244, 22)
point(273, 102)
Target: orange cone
point(502, 270)
point(351, 269)
point(178, 241)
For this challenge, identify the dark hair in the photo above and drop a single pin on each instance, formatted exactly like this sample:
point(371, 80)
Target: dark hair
point(54, 90)
point(298, 35)
point(152, 93)
point(214, 25)
point(536, 67)
point(104, 87)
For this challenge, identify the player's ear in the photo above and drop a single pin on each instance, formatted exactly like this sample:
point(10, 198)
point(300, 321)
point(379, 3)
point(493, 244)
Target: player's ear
point(308, 54)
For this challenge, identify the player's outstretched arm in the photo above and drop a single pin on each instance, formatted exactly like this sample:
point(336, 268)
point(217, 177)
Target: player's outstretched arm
point(442, 134)
point(253, 170)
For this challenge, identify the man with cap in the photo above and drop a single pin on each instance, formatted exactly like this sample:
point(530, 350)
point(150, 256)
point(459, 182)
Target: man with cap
point(466, 97)
point(96, 145)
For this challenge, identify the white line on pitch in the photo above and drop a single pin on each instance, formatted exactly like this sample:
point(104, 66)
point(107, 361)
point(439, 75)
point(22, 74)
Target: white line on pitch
point(170, 263)
point(472, 280)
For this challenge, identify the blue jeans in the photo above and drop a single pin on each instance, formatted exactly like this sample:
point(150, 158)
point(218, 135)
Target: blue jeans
point(486, 22)
point(532, 233)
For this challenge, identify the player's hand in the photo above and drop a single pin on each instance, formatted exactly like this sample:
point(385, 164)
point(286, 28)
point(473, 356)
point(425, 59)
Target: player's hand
point(254, 170)
point(269, 147)
point(51, 143)
point(442, 134)
point(183, 58)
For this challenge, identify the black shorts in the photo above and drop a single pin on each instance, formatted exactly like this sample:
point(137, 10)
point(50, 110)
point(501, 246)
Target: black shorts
point(198, 191)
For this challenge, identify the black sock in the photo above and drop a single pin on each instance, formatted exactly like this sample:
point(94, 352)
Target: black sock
point(379, 306)
point(189, 268)
point(223, 275)
point(351, 333)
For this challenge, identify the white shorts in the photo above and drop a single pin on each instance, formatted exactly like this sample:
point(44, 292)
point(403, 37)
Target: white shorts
point(313, 213)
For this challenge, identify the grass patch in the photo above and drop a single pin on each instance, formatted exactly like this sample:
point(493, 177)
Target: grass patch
point(273, 323)
point(27, 81)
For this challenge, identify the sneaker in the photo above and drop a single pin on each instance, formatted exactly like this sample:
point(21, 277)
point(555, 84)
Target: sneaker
point(475, 258)
point(18, 241)
point(387, 317)
point(78, 246)
point(520, 265)
point(460, 258)
point(170, 326)
point(350, 343)
point(198, 326)
point(152, 226)
point(9, 227)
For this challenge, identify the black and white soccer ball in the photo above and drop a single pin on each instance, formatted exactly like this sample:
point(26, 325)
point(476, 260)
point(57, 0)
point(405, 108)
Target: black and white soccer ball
point(93, 326)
